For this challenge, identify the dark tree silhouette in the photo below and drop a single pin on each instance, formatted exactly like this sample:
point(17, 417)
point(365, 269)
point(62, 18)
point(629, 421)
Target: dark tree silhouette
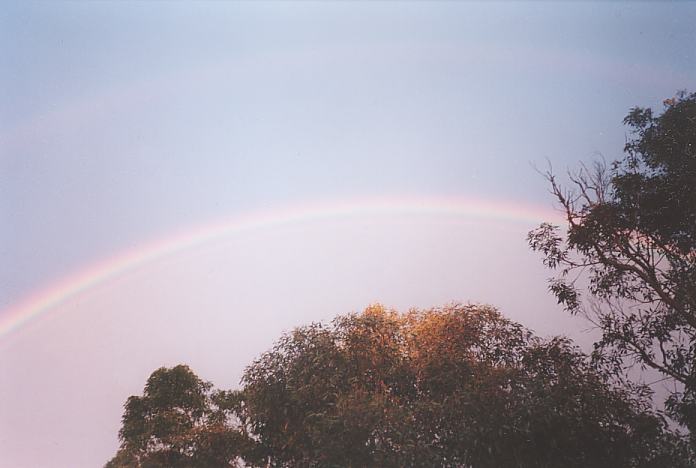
point(177, 423)
point(630, 242)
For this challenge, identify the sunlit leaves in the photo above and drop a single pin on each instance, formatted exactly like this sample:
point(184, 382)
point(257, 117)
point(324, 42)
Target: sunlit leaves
point(460, 386)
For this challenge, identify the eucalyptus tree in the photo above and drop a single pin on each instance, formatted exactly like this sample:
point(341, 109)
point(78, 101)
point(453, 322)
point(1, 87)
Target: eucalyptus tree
point(627, 258)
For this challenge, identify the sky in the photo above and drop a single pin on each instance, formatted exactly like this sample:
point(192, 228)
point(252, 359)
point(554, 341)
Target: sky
point(183, 182)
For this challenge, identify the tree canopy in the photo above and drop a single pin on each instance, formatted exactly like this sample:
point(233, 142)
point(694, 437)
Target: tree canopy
point(630, 242)
point(459, 386)
point(177, 423)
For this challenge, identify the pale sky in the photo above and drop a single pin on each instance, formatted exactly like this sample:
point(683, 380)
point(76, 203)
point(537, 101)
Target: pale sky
point(124, 123)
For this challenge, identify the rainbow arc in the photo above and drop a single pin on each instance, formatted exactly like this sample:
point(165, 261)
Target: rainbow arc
point(48, 298)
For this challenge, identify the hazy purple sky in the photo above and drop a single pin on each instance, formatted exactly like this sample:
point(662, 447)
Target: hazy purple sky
point(122, 123)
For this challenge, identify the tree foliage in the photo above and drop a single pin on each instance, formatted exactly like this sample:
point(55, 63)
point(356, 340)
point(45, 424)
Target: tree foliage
point(631, 244)
point(177, 423)
point(459, 387)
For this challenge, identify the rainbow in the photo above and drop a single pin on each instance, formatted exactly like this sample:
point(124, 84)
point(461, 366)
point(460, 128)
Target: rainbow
point(50, 297)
